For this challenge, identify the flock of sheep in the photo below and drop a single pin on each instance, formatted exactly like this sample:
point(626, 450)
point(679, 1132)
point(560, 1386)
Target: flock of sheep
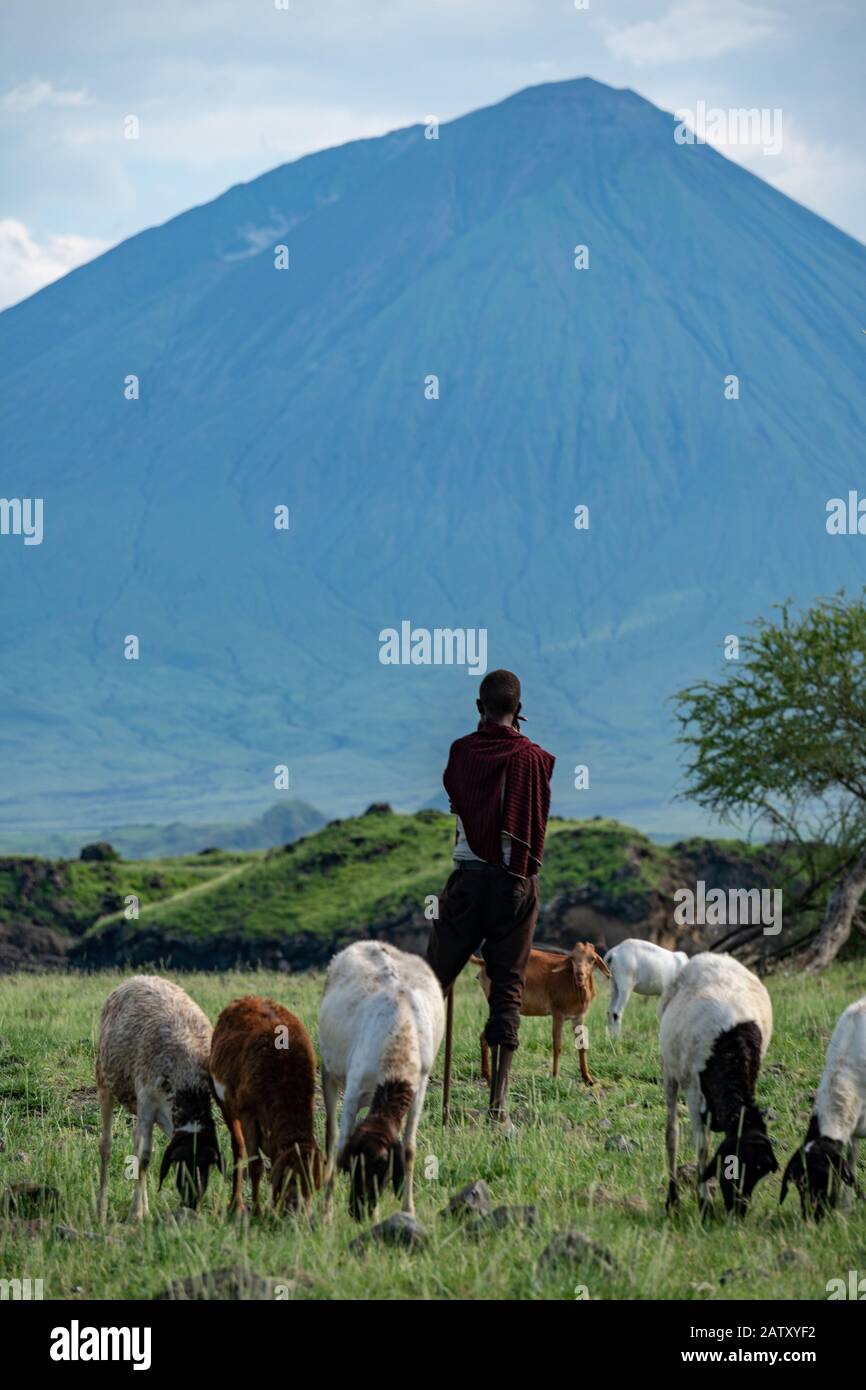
point(381, 1024)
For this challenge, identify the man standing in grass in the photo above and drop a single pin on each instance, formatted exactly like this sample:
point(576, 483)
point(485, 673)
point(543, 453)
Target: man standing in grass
point(498, 782)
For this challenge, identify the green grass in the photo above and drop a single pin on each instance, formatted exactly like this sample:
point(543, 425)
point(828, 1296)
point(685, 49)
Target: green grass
point(556, 1161)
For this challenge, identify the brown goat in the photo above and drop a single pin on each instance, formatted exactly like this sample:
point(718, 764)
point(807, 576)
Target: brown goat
point(263, 1072)
point(562, 986)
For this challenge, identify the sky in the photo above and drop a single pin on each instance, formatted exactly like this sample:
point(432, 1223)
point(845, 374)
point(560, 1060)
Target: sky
point(224, 90)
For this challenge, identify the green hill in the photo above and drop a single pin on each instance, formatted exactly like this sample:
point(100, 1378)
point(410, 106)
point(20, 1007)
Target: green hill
point(374, 875)
point(377, 875)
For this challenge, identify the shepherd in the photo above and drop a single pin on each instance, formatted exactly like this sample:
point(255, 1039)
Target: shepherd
point(498, 782)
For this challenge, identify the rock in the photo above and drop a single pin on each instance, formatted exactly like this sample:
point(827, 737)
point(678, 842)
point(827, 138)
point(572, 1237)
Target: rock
point(703, 1288)
point(232, 1283)
point(26, 946)
point(100, 852)
point(500, 1218)
point(398, 1229)
point(21, 1157)
point(28, 1199)
point(471, 1200)
point(618, 1143)
point(574, 1248)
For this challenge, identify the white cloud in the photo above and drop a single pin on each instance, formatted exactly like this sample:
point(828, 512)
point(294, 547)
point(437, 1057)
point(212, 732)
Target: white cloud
point(814, 173)
point(26, 264)
point(27, 96)
point(690, 31)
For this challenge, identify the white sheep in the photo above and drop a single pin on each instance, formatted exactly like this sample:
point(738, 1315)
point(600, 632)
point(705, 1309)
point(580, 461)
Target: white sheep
point(820, 1166)
point(716, 1024)
point(380, 1026)
point(639, 967)
point(152, 1058)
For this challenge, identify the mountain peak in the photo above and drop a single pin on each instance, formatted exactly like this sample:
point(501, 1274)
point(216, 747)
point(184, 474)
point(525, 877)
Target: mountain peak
point(431, 388)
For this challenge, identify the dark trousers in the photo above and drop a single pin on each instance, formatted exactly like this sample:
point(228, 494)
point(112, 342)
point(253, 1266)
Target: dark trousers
point(487, 905)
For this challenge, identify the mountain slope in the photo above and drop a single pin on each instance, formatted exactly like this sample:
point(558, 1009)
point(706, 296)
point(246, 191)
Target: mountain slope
point(306, 387)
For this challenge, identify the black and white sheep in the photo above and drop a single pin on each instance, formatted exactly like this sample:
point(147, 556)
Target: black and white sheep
point(716, 1024)
point(820, 1167)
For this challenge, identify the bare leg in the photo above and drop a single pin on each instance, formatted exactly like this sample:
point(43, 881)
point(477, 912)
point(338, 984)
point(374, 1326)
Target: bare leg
point(352, 1101)
point(695, 1102)
point(106, 1103)
point(557, 1042)
point(409, 1137)
point(582, 1051)
point(485, 1059)
point(142, 1142)
point(671, 1093)
point(330, 1091)
point(239, 1153)
point(254, 1161)
point(619, 999)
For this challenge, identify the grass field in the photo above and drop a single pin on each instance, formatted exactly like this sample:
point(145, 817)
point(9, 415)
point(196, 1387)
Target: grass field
point(563, 1159)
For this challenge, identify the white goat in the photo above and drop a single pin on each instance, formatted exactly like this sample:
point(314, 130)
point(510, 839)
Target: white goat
point(152, 1058)
point(380, 1026)
point(639, 967)
point(819, 1167)
point(716, 1024)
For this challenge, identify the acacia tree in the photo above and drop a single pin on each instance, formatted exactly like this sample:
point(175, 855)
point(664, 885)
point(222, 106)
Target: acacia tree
point(782, 740)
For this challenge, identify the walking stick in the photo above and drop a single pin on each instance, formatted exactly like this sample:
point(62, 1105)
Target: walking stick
point(449, 1032)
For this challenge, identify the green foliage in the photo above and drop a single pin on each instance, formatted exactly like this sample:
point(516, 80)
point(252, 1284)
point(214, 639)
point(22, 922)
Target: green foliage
point(71, 895)
point(785, 729)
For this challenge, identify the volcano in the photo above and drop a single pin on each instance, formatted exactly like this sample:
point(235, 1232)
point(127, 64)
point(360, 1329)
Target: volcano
point(551, 376)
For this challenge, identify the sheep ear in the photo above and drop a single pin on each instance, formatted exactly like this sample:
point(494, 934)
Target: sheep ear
point(560, 969)
point(398, 1167)
point(599, 961)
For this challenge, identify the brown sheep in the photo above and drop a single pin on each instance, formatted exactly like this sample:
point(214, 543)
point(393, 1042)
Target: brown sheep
point(263, 1071)
point(562, 986)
